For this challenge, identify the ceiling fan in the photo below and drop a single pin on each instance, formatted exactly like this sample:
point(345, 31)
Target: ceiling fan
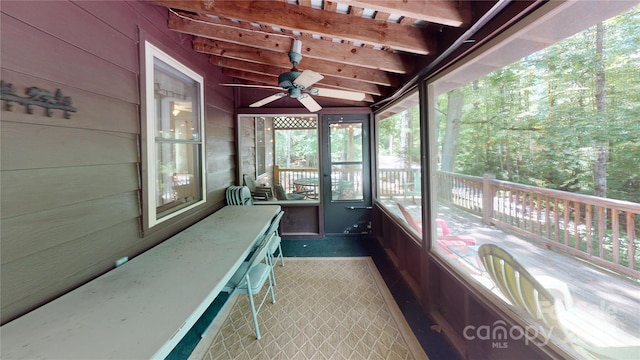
point(298, 84)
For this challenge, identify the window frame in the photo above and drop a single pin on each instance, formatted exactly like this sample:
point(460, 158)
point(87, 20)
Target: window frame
point(412, 95)
point(484, 60)
point(247, 147)
point(149, 159)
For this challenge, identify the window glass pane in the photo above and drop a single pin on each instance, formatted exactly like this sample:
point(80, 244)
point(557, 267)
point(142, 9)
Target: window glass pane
point(398, 151)
point(174, 141)
point(261, 146)
point(175, 95)
point(534, 157)
point(346, 142)
point(296, 155)
point(281, 152)
point(176, 183)
point(346, 182)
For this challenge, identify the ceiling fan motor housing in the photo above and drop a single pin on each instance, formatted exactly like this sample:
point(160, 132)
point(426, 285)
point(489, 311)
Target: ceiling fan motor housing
point(285, 80)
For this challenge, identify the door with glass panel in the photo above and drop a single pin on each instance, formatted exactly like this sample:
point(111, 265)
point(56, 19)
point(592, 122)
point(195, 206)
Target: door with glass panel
point(346, 180)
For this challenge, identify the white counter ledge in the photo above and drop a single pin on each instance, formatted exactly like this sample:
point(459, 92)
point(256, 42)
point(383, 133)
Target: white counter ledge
point(143, 308)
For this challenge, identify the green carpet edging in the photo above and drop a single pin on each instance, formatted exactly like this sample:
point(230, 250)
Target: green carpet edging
point(190, 340)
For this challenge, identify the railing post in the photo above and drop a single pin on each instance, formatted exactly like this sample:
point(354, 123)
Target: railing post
point(487, 198)
point(276, 174)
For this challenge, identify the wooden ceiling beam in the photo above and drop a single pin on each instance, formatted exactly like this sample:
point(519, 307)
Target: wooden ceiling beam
point(315, 21)
point(280, 60)
point(330, 6)
point(327, 82)
point(367, 98)
point(445, 12)
point(246, 34)
point(273, 72)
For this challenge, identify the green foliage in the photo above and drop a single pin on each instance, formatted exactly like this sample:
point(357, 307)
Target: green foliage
point(400, 137)
point(296, 148)
point(536, 122)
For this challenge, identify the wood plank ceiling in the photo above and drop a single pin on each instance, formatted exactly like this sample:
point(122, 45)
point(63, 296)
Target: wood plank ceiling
point(368, 46)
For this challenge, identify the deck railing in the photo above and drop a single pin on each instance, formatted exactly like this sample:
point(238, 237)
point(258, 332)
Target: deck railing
point(346, 182)
point(286, 176)
point(599, 230)
point(392, 182)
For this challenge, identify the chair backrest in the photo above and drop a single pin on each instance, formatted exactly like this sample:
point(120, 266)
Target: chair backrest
point(410, 219)
point(519, 286)
point(275, 224)
point(250, 182)
point(417, 181)
point(280, 194)
point(228, 194)
point(443, 227)
point(245, 196)
point(232, 195)
point(260, 254)
point(238, 195)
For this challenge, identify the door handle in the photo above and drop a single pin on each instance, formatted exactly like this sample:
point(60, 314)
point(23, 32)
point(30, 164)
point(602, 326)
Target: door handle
point(359, 207)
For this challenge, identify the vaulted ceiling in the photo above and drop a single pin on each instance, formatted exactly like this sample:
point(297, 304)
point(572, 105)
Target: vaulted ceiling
point(371, 46)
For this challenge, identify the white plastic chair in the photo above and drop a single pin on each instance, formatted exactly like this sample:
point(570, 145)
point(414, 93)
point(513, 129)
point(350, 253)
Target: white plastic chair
point(244, 196)
point(282, 195)
point(258, 192)
point(238, 195)
point(549, 301)
point(231, 195)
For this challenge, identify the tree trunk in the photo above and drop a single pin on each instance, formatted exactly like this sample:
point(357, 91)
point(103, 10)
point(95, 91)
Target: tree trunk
point(452, 130)
point(403, 136)
point(601, 148)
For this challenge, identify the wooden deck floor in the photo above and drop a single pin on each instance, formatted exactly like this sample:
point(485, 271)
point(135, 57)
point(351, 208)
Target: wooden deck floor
point(610, 297)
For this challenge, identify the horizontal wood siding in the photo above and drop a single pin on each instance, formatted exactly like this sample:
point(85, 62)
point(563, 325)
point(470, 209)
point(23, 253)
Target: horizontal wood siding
point(71, 187)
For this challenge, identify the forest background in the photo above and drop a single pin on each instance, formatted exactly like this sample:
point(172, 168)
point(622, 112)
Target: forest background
point(566, 117)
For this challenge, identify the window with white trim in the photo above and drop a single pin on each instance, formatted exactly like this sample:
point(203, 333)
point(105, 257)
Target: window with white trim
point(174, 144)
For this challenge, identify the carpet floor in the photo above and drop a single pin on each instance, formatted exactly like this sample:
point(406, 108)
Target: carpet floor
point(326, 308)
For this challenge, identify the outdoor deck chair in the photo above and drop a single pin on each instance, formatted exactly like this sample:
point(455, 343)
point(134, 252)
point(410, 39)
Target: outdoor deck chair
point(445, 240)
point(549, 301)
point(414, 188)
point(282, 195)
point(238, 195)
point(231, 196)
point(251, 278)
point(257, 192)
point(413, 222)
point(245, 197)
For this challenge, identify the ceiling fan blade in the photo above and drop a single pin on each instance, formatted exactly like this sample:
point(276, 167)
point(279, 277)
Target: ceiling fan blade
point(308, 78)
point(253, 86)
point(309, 103)
point(269, 99)
point(341, 94)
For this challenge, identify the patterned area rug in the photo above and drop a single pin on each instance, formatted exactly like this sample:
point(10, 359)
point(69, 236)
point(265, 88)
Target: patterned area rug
point(326, 308)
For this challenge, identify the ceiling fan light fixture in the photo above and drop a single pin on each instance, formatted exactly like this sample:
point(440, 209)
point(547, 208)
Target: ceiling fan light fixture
point(294, 92)
point(295, 55)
